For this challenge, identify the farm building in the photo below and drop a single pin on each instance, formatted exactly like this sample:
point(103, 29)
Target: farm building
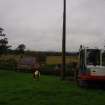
point(56, 58)
point(26, 64)
point(10, 60)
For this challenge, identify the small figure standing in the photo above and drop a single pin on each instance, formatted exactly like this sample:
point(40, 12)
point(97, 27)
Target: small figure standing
point(35, 71)
point(57, 69)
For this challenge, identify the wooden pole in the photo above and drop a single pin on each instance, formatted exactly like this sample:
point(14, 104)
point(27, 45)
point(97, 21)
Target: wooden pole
point(64, 42)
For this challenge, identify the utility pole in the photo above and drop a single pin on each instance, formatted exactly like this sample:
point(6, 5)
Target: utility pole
point(64, 42)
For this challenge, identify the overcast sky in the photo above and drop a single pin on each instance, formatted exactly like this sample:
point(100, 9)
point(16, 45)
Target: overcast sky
point(38, 23)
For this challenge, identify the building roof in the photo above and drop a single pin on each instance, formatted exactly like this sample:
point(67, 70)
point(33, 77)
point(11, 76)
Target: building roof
point(27, 61)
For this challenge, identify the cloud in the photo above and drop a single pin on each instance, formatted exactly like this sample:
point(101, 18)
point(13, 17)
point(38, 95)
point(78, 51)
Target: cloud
point(38, 23)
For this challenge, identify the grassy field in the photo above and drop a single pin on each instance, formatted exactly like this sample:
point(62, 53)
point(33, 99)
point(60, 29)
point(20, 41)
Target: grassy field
point(20, 89)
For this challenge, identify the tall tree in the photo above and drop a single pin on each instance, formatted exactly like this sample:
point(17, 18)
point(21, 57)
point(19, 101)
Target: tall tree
point(21, 48)
point(3, 42)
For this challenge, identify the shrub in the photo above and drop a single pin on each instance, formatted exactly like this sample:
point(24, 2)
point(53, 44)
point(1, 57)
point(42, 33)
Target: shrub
point(50, 70)
point(9, 64)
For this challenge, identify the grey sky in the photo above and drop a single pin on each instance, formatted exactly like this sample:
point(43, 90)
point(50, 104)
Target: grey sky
point(38, 23)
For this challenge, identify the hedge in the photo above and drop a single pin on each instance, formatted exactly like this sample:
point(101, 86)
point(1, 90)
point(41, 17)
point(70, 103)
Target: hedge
point(9, 64)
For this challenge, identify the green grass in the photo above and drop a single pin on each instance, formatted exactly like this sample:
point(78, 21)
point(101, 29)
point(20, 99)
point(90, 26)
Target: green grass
point(20, 89)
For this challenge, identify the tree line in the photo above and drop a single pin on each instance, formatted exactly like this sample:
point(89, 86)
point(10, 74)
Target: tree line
point(5, 47)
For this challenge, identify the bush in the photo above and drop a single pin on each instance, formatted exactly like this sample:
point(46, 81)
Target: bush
point(50, 70)
point(9, 64)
